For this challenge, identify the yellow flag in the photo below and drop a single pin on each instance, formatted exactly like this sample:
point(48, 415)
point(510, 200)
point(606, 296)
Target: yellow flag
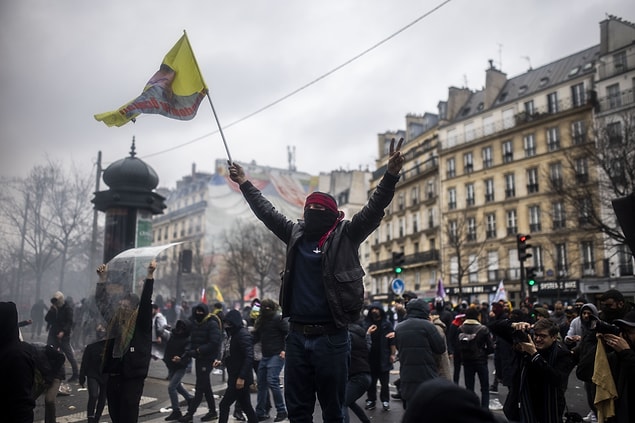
point(175, 91)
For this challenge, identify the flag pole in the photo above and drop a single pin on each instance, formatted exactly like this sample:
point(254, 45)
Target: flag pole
point(220, 128)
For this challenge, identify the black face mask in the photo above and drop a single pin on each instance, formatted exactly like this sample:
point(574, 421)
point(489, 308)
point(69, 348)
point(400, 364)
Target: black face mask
point(199, 317)
point(610, 314)
point(317, 223)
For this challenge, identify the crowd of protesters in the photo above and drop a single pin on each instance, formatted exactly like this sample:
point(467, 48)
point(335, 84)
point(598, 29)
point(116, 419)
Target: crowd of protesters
point(534, 348)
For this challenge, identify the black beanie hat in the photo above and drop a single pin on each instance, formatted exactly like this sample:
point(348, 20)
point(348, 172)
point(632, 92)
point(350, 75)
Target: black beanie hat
point(442, 401)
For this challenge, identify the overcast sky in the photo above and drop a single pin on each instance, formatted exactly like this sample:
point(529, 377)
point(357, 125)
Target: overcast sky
point(63, 61)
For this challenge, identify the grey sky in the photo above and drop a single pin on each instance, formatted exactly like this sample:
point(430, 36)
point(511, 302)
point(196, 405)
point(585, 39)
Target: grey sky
point(64, 61)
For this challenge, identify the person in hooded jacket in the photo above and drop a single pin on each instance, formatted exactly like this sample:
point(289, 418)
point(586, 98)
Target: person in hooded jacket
point(582, 335)
point(418, 341)
point(17, 369)
point(322, 288)
point(382, 355)
point(205, 346)
point(238, 357)
point(90, 371)
point(128, 347)
point(60, 321)
point(359, 378)
point(175, 348)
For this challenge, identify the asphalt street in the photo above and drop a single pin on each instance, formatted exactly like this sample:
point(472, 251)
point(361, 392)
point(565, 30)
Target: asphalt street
point(154, 404)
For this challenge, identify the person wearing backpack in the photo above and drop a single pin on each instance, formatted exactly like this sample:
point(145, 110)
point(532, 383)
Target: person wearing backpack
point(476, 344)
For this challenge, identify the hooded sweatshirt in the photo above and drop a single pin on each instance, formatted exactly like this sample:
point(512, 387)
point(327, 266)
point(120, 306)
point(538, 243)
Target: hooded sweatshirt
point(239, 356)
point(17, 366)
point(205, 335)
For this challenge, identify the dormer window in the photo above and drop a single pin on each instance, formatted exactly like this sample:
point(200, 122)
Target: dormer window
point(574, 71)
point(544, 81)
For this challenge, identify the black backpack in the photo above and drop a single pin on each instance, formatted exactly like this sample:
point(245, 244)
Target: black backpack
point(468, 343)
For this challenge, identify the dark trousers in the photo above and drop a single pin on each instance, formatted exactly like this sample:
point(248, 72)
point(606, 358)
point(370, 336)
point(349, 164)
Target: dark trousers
point(96, 397)
point(123, 398)
point(203, 387)
point(472, 369)
point(355, 388)
point(456, 360)
point(316, 364)
point(384, 391)
point(65, 346)
point(242, 397)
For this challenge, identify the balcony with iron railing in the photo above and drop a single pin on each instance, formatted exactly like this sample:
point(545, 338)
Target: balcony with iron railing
point(520, 119)
point(423, 258)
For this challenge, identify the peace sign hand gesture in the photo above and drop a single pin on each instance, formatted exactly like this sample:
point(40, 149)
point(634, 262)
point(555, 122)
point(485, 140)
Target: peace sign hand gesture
point(396, 159)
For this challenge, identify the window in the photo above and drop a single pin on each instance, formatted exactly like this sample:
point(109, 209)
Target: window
point(472, 268)
point(402, 227)
point(450, 168)
point(588, 259)
point(558, 215)
point(512, 222)
point(454, 270)
point(401, 201)
point(578, 132)
point(529, 108)
point(414, 195)
point(555, 175)
point(488, 125)
point(581, 170)
point(453, 231)
point(561, 259)
point(452, 198)
point(585, 210)
point(415, 223)
point(487, 157)
point(430, 190)
point(578, 95)
point(489, 190)
point(471, 229)
point(508, 151)
point(431, 218)
point(532, 180)
point(468, 163)
point(389, 231)
point(613, 96)
point(492, 266)
point(619, 62)
point(490, 220)
point(552, 103)
point(529, 143)
point(614, 133)
point(510, 186)
point(470, 133)
point(534, 219)
point(553, 139)
point(469, 194)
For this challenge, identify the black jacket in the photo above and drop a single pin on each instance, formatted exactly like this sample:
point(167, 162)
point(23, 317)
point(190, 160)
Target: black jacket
point(239, 357)
point(16, 369)
point(360, 346)
point(136, 360)
point(381, 346)
point(60, 319)
point(91, 363)
point(205, 336)
point(178, 343)
point(342, 272)
point(271, 333)
point(483, 340)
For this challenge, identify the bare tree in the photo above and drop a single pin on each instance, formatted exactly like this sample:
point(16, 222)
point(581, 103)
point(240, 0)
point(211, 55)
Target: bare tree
point(599, 167)
point(269, 258)
point(461, 231)
point(72, 215)
point(239, 257)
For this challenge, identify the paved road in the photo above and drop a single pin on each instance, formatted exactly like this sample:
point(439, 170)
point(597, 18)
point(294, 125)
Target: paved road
point(71, 408)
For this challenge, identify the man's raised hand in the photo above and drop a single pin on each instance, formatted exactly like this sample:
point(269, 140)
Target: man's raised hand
point(396, 159)
point(236, 172)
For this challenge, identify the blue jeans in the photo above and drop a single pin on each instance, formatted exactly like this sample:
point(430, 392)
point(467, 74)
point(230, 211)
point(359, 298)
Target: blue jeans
point(269, 378)
point(470, 370)
point(176, 387)
point(316, 364)
point(355, 388)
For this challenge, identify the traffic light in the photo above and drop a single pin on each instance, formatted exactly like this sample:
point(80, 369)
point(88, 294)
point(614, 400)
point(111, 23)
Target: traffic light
point(531, 276)
point(186, 261)
point(521, 243)
point(398, 260)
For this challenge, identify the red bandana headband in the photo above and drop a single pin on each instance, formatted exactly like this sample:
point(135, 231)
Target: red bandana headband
point(322, 199)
